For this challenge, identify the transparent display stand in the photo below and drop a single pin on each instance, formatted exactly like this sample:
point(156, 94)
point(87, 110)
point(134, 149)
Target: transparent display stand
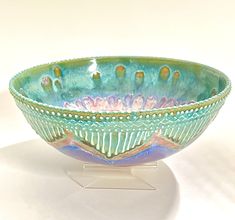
point(93, 176)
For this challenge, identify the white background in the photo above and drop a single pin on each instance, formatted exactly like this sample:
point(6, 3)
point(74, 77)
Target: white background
point(36, 32)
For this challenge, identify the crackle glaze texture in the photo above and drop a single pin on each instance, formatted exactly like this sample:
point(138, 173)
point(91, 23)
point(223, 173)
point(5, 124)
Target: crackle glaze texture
point(120, 110)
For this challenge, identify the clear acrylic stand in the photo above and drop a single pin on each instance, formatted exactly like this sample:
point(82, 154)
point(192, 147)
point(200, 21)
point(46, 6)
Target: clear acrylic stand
point(93, 176)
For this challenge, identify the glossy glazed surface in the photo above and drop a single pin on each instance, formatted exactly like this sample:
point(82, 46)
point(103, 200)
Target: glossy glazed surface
point(120, 110)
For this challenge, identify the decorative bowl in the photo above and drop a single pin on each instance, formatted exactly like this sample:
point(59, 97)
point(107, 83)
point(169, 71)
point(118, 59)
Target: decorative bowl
point(120, 111)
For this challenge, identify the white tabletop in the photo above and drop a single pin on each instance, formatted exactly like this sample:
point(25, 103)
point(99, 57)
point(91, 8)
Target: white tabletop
point(197, 183)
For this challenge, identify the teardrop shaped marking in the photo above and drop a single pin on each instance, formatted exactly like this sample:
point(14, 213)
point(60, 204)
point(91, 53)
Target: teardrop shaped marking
point(166, 131)
point(53, 132)
point(186, 134)
point(80, 133)
point(75, 132)
point(202, 124)
point(110, 145)
point(191, 133)
point(57, 132)
point(136, 138)
point(98, 141)
point(129, 143)
point(141, 137)
point(170, 132)
point(182, 133)
point(62, 131)
point(176, 133)
point(92, 138)
point(86, 136)
point(199, 122)
point(42, 130)
point(145, 136)
point(118, 143)
point(103, 144)
point(124, 144)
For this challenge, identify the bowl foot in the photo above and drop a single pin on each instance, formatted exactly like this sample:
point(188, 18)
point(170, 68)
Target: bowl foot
point(95, 176)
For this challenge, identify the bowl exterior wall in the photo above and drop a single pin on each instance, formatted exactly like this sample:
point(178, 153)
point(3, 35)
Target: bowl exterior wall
point(121, 141)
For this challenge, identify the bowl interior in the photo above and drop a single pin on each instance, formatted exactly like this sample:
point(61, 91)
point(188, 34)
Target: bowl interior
point(119, 83)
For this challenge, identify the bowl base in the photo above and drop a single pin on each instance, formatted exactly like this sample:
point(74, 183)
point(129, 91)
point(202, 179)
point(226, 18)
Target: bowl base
point(95, 176)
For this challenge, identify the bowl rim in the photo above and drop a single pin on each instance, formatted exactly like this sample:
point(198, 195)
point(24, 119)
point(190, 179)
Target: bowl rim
point(62, 111)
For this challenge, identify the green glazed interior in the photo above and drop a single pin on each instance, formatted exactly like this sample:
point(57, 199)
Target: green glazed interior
point(63, 82)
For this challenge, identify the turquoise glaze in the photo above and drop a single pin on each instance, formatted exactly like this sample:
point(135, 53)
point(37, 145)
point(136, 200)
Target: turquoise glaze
point(120, 110)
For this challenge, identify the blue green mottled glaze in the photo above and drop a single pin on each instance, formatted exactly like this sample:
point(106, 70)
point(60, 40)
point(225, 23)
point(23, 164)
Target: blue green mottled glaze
point(120, 110)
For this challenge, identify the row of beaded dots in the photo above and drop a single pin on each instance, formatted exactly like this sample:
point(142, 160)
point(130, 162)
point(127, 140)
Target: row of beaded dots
point(107, 118)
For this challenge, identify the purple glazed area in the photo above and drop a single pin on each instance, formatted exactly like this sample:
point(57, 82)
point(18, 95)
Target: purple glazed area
point(127, 103)
point(153, 153)
point(155, 148)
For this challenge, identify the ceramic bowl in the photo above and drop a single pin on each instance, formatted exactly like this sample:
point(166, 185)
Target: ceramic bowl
point(120, 111)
